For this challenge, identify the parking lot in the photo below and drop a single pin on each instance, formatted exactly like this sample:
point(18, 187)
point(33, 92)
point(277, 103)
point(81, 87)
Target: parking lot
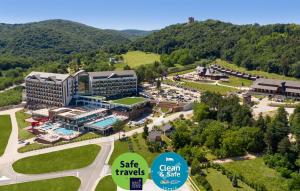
point(172, 94)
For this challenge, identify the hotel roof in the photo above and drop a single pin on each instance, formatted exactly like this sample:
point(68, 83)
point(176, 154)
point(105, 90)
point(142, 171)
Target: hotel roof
point(109, 74)
point(46, 76)
point(273, 82)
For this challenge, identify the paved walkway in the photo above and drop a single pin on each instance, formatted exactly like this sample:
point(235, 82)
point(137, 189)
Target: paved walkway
point(12, 145)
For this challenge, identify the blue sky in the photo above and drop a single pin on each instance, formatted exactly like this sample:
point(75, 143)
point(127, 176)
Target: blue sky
point(149, 14)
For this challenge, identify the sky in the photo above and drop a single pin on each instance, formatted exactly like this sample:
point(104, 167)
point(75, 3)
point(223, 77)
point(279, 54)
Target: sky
point(149, 14)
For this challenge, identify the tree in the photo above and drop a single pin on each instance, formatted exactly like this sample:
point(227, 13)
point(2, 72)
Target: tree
point(294, 184)
point(260, 123)
point(146, 132)
point(234, 181)
point(232, 144)
point(213, 100)
point(277, 130)
point(281, 116)
point(295, 126)
point(201, 111)
point(158, 84)
point(212, 134)
point(118, 126)
point(242, 117)
point(284, 145)
point(297, 163)
point(195, 167)
point(126, 67)
point(180, 137)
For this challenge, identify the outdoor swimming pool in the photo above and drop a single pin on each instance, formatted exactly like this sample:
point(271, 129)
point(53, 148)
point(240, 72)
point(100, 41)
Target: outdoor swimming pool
point(64, 131)
point(106, 122)
point(47, 126)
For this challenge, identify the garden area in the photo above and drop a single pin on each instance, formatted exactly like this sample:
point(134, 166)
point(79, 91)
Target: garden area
point(136, 144)
point(56, 184)
point(5, 130)
point(218, 181)
point(22, 124)
point(106, 183)
point(256, 171)
point(67, 159)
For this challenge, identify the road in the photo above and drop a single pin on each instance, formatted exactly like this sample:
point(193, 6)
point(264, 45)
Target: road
point(12, 87)
point(89, 175)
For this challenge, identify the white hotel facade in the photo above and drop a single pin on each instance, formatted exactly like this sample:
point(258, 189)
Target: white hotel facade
point(112, 83)
point(46, 90)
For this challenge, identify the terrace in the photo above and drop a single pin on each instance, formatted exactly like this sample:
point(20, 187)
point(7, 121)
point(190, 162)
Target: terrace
point(129, 101)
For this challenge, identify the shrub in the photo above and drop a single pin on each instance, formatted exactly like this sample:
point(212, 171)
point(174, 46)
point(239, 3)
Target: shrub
point(203, 182)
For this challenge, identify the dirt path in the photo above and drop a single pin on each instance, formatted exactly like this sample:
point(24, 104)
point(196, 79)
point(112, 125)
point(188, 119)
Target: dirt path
point(232, 159)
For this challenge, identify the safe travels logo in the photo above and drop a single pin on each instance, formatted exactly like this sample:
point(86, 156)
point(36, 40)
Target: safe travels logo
point(169, 171)
point(130, 171)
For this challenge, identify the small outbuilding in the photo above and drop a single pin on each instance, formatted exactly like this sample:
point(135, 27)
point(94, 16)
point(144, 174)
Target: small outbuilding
point(154, 136)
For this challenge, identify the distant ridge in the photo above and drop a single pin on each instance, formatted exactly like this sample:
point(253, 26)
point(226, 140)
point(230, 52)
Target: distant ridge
point(52, 39)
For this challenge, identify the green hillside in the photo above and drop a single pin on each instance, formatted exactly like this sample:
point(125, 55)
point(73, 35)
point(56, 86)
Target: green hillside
point(272, 48)
point(53, 39)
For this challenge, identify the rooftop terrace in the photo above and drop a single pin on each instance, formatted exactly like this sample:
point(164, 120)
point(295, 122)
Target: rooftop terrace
point(129, 101)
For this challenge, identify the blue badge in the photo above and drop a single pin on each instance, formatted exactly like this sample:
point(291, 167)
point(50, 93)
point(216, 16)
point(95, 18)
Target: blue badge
point(136, 184)
point(169, 171)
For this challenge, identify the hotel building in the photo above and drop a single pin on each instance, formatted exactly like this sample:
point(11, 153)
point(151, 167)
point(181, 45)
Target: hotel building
point(48, 89)
point(113, 83)
point(277, 87)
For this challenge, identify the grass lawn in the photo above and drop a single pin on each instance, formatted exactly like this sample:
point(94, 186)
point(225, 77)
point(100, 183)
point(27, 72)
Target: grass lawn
point(256, 171)
point(106, 183)
point(253, 72)
point(218, 181)
point(86, 136)
point(129, 100)
point(238, 82)
point(164, 109)
point(31, 147)
point(68, 183)
point(139, 147)
point(21, 116)
point(129, 128)
point(11, 97)
point(67, 159)
point(182, 72)
point(36, 146)
point(208, 87)
point(5, 130)
point(137, 58)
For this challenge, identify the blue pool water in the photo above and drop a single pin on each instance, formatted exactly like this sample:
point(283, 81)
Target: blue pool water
point(46, 126)
point(64, 131)
point(106, 122)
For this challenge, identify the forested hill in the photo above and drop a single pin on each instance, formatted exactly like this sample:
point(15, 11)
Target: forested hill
point(273, 48)
point(134, 34)
point(53, 39)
